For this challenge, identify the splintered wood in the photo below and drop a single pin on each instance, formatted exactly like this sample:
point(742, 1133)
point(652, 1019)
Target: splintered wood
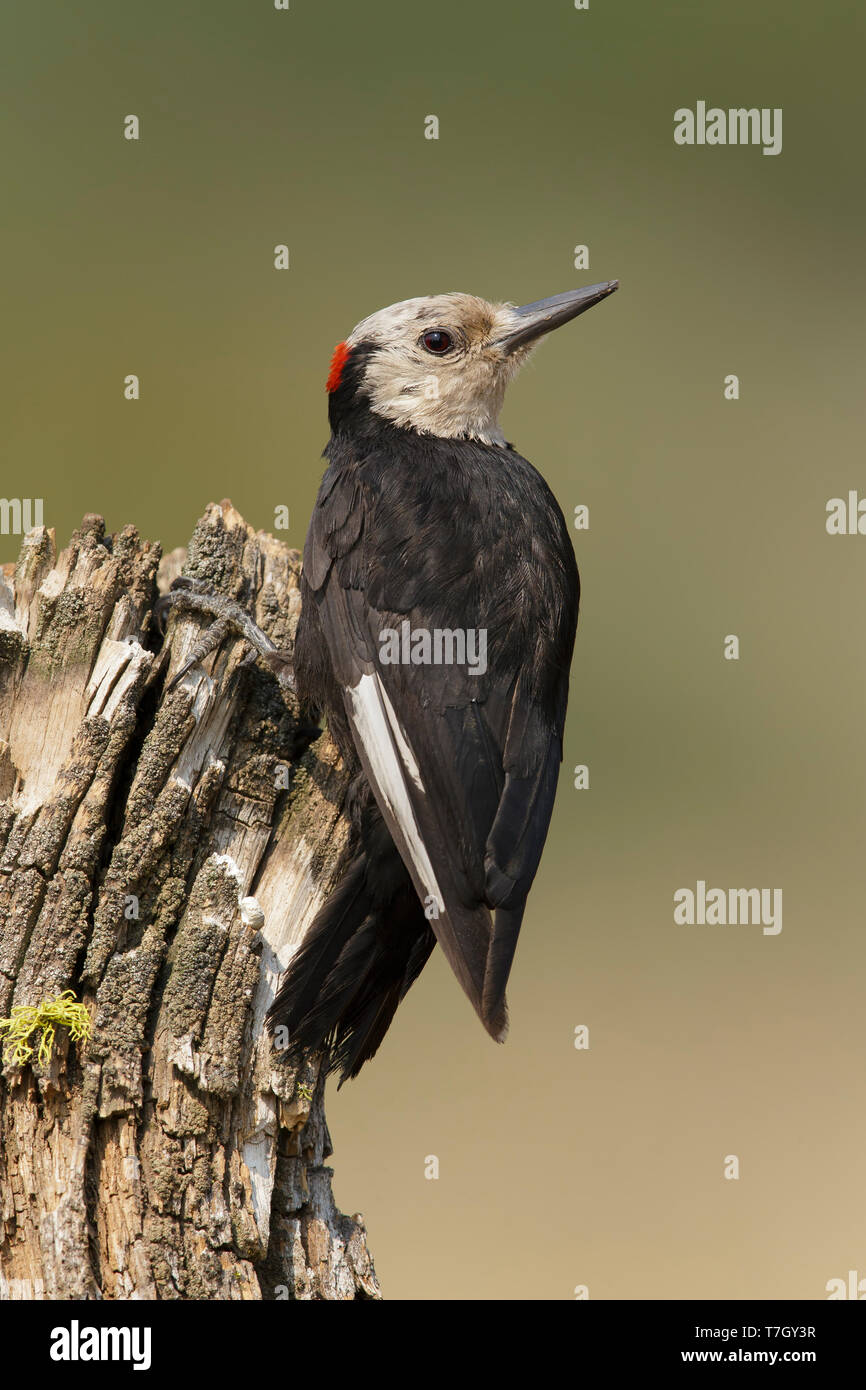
point(162, 853)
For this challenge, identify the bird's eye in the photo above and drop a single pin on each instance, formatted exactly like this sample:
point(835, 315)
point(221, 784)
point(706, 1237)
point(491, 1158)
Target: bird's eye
point(436, 340)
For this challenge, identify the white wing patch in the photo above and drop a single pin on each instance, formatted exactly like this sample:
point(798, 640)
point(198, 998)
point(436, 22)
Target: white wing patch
point(391, 760)
point(403, 748)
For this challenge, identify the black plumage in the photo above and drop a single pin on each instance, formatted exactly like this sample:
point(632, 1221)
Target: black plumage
point(449, 533)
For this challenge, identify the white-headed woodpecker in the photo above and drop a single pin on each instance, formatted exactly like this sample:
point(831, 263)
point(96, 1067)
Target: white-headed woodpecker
point(430, 530)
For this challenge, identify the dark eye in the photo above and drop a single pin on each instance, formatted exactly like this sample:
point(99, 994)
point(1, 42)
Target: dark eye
point(436, 340)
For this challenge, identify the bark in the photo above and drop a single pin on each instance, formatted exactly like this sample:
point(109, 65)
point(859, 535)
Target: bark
point(162, 853)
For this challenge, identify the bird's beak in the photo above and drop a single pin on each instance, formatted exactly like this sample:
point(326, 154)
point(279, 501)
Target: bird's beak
point(532, 320)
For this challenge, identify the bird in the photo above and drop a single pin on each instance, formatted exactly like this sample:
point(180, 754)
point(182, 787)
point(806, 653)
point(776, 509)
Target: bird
point(439, 605)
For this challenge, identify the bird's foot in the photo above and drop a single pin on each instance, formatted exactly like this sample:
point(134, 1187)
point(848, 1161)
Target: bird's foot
point(228, 619)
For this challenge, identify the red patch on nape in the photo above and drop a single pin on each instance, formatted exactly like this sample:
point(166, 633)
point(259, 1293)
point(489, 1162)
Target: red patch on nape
point(338, 362)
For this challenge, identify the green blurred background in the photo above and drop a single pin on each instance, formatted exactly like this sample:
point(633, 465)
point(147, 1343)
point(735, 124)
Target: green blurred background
point(557, 1167)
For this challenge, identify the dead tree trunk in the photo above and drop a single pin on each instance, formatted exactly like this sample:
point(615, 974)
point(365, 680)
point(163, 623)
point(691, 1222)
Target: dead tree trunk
point(162, 853)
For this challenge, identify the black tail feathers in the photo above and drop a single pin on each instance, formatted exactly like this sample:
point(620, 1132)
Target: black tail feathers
point(366, 946)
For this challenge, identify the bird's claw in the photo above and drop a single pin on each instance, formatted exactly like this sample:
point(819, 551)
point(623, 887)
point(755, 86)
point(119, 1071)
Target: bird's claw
point(228, 619)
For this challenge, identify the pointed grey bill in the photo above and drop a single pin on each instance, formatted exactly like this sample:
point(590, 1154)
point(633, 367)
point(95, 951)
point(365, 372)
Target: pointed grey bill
point(545, 314)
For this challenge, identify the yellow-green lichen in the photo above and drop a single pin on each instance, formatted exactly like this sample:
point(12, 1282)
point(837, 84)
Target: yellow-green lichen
point(43, 1019)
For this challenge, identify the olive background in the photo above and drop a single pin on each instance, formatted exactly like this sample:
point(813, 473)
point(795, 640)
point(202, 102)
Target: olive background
point(557, 1167)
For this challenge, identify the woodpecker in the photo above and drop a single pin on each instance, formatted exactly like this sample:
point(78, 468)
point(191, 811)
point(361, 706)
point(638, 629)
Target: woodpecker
point(429, 522)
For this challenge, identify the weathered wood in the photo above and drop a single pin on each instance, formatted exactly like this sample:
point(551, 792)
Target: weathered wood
point(162, 853)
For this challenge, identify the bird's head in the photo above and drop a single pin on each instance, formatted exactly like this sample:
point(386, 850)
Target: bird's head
point(440, 365)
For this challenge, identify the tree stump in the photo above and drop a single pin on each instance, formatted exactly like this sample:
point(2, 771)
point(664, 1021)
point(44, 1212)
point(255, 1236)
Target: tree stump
point(162, 854)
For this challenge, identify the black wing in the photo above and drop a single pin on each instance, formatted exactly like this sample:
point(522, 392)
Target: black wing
point(464, 765)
